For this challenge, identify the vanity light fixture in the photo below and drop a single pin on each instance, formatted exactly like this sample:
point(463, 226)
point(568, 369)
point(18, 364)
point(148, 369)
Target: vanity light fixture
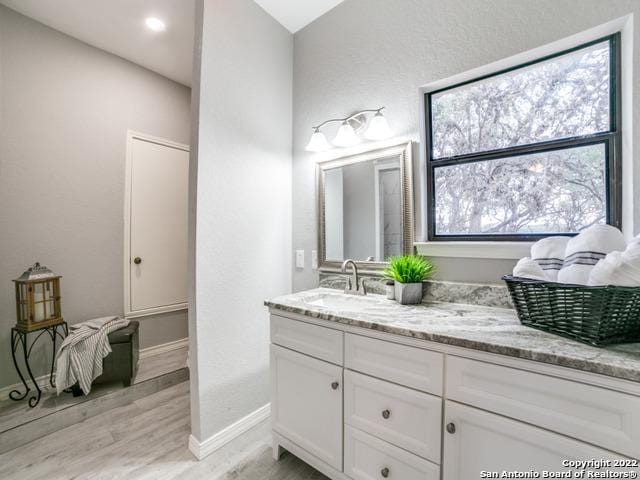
point(378, 128)
point(318, 142)
point(346, 136)
point(350, 128)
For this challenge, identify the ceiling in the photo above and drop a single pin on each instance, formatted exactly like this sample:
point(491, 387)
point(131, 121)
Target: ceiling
point(118, 27)
point(296, 14)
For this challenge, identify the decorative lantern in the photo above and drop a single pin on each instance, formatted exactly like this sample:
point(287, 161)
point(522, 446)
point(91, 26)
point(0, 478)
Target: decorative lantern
point(38, 299)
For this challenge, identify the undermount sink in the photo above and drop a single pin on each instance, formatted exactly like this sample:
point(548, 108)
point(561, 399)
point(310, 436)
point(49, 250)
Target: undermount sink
point(340, 302)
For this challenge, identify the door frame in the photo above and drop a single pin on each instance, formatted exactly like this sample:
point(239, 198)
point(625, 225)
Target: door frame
point(131, 136)
point(379, 229)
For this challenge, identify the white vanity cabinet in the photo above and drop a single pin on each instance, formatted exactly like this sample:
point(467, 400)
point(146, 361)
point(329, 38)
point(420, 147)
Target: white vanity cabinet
point(477, 441)
point(308, 410)
point(364, 405)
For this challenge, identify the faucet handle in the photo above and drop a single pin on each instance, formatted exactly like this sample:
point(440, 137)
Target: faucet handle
point(363, 287)
point(347, 285)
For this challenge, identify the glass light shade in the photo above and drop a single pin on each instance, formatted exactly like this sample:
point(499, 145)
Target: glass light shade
point(318, 142)
point(378, 128)
point(346, 136)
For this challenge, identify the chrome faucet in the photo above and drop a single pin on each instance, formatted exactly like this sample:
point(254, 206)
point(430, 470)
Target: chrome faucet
point(355, 287)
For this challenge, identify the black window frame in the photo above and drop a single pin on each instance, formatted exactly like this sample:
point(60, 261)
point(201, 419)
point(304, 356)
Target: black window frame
point(611, 139)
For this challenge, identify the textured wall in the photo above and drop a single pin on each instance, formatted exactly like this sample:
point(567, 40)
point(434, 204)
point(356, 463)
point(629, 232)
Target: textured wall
point(65, 108)
point(370, 53)
point(243, 219)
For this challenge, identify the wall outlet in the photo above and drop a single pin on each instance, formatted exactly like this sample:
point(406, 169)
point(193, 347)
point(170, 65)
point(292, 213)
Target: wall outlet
point(314, 259)
point(299, 258)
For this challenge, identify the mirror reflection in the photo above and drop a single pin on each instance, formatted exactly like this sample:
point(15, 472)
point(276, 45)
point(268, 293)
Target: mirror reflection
point(363, 210)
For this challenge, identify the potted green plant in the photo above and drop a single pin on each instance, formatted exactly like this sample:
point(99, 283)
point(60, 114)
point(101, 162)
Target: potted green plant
point(408, 272)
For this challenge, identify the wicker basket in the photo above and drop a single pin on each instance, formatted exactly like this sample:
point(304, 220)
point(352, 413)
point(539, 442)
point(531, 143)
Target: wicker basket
point(595, 315)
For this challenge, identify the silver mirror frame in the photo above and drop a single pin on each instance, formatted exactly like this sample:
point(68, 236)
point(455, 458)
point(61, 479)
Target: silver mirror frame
point(402, 152)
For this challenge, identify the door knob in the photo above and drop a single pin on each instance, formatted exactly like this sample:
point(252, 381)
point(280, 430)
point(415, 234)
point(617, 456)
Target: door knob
point(384, 472)
point(386, 414)
point(137, 260)
point(451, 428)
point(335, 385)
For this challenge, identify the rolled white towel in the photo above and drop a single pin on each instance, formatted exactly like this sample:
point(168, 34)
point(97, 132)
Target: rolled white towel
point(549, 254)
point(615, 269)
point(635, 239)
point(586, 249)
point(527, 268)
point(619, 268)
point(632, 252)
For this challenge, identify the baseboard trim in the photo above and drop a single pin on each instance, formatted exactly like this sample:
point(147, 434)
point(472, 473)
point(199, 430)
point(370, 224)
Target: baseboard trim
point(42, 381)
point(164, 348)
point(223, 437)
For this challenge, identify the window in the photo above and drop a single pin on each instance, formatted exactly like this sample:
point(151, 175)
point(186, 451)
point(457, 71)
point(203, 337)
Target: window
point(527, 152)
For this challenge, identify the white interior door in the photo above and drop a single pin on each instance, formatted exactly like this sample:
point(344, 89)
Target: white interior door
point(158, 184)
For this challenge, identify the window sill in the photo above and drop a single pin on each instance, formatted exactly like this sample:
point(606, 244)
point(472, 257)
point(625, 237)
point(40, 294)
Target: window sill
point(492, 250)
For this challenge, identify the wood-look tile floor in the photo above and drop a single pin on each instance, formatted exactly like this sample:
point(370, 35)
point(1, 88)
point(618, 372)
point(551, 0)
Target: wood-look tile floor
point(13, 414)
point(146, 439)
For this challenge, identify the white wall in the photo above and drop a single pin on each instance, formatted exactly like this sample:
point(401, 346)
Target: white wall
point(242, 214)
point(65, 108)
point(372, 53)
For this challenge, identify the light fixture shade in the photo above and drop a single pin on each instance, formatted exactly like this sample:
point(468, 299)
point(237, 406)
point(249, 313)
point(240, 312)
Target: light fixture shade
point(318, 142)
point(378, 128)
point(346, 136)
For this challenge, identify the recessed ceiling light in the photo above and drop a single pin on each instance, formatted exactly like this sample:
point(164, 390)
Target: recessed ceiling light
point(155, 24)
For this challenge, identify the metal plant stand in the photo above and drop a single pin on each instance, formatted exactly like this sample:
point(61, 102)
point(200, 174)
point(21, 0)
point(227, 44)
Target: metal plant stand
point(21, 337)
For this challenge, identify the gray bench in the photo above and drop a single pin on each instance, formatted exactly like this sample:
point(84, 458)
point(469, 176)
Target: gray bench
point(121, 365)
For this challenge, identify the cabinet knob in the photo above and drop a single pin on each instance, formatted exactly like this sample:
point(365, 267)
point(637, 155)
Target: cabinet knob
point(137, 260)
point(386, 414)
point(451, 428)
point(335, 385)
point(384, 472)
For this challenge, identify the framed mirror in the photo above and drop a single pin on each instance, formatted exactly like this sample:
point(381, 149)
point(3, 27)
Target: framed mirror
point(365, 208)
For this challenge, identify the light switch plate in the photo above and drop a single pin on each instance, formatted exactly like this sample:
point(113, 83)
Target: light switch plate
point(314, 259)
point(299, 258)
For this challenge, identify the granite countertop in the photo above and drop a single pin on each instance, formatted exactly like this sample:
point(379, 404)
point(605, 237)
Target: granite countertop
point(489, 329)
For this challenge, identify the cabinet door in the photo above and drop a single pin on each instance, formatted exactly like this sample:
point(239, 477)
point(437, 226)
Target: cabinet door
point(485, 442)
point(306, 403)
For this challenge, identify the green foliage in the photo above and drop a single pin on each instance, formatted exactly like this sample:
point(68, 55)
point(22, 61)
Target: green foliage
point(409, 269)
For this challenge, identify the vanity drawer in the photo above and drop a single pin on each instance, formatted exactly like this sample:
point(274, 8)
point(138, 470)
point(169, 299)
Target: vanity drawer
point(404, 417)
point(596, 415)
point(410, 366)
point(368, 458)
point(319, 342)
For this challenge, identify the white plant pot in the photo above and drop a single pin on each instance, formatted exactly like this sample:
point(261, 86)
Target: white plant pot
point(408, 293)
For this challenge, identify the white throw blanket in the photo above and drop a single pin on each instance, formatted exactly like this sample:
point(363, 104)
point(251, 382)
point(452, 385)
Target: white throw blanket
point(80, 356)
